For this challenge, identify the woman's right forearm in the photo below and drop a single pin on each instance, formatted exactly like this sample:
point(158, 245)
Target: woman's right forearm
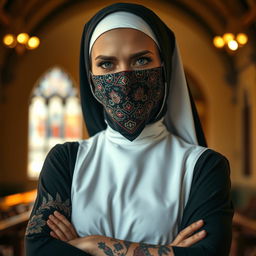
point(107, 246)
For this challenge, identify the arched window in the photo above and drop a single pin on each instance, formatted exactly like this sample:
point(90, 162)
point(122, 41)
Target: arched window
point(54, 117)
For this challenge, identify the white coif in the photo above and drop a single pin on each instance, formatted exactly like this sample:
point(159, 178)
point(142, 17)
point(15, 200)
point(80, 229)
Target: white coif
point(121, 20)
point(134, 191)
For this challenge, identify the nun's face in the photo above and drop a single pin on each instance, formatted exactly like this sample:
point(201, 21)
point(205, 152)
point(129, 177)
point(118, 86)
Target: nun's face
point(124, 49)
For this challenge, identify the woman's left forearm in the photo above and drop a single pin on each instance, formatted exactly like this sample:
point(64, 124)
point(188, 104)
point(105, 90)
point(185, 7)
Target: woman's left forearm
point(98, 245)
point(107, 246)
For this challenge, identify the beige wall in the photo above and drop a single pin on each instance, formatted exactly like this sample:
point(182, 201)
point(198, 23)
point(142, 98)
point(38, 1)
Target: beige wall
point(247, 82)
point(60, 46)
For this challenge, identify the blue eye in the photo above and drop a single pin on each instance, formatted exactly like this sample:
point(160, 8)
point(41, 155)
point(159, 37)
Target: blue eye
point(143, 61)
point(105, 65)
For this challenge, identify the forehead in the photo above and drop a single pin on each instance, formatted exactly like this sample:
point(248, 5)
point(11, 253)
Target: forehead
point(123, 37)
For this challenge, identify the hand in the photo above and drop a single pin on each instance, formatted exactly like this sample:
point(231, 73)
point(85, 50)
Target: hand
point(185, 237)
point(61, 228)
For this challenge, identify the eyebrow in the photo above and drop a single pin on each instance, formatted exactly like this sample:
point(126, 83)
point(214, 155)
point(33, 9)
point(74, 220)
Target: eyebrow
point(134, 55)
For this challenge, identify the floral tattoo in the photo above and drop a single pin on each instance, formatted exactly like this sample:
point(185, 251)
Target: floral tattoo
point(143, 250)
point(121, 249)
point(38, 221)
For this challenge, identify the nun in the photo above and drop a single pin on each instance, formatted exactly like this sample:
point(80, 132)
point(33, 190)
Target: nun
point(144, 183)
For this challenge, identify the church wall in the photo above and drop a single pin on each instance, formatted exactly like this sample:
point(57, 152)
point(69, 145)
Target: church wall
point(247, 85)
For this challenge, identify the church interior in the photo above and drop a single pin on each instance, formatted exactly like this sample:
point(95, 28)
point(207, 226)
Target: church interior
point(39, 95)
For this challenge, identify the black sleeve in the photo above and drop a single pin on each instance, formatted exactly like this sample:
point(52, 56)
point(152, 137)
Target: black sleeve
point(54, 193)
point(209, 200)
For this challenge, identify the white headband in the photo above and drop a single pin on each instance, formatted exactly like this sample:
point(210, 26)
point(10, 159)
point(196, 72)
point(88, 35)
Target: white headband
point(121, 20)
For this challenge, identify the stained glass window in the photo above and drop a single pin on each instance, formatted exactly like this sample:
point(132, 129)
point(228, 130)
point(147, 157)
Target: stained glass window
point(54, 117)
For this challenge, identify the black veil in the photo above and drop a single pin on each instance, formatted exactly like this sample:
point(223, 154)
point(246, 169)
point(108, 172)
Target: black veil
point(93, 111)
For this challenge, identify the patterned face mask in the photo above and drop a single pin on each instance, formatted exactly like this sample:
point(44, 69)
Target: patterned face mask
point(131, 98)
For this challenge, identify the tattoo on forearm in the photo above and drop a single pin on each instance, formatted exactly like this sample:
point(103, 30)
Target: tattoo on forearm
point(107, 250)
point(143, 250)
point(121, 249)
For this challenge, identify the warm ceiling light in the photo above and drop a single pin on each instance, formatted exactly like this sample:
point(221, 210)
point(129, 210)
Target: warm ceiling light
point(233, 45)
point(242, 38)
point(218, 41)
point(9, 40)
point(33, 42)
point(228, 37)
point(22, 38)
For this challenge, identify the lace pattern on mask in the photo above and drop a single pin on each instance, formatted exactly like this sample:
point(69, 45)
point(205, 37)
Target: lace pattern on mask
point(130, 98)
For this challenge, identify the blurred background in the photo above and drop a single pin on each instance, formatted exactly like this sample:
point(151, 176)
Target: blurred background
point(39, 95)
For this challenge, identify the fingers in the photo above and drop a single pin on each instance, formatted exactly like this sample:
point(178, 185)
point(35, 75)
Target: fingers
point(186, 237)
point(193, 239)
point(64, 220)
point(54, 235)
point(57, 231)
point(61, 227)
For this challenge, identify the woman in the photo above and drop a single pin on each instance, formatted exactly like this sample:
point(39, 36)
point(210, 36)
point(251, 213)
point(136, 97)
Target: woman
point(144, 183)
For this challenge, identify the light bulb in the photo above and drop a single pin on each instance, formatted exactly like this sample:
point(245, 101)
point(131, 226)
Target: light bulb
point(233, 45)
point(33, 42)
point(242, 38)
point(9, 40)
point(22, 38)
point(218, 41)
point(228, 37)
